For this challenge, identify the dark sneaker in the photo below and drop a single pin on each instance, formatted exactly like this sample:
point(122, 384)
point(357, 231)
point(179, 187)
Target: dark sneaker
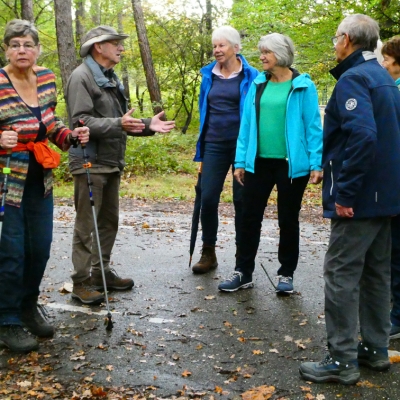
point(113, 281)
point(330, 370)
point(285, 285)
point(394, 332)
point(34, 320)
point(207, 262)
point(235, 282)
point(86, 293)
point(376, 358)
point(17, 339)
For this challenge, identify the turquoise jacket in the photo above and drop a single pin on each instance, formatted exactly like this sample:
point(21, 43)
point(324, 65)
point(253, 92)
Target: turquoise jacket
point(303, 126)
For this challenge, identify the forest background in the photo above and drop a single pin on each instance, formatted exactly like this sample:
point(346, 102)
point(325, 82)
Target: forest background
point(170, 40)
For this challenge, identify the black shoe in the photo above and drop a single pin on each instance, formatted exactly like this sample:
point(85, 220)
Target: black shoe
point(375, 358)
point(394, 332)
point(330, 370)
point(17, 339)
point(34, 320)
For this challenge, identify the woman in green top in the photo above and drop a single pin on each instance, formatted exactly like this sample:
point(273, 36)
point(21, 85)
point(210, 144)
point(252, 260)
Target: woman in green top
point(279, 143)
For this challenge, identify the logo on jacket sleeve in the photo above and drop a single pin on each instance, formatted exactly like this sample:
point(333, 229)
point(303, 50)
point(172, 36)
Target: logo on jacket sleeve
point(351, 104)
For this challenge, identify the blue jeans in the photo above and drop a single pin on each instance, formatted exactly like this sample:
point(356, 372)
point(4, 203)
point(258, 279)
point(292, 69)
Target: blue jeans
point(24, 250)
point(395, 271)
point(218, 158)
point(269, 172)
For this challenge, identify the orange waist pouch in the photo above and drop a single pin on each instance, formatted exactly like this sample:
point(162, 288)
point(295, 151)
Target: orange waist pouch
point(43, 153)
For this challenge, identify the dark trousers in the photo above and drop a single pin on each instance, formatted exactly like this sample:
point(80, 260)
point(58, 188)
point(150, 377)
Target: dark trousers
point(357, 285)
point(218, 158)
point(24, 250)
point(395, 271)
point(269, 172)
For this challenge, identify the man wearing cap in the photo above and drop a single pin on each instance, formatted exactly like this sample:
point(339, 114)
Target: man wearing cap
point(96, 97)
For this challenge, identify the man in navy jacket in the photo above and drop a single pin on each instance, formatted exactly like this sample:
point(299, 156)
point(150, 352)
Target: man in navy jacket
point(361, 192)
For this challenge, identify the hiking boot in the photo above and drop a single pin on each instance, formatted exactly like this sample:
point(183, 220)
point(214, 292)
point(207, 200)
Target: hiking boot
point(235, 282)
point(34, 320)
point(394, 332)
point(208, 260)
point(375, 358)
point(86, 293)
point(330, 370)
point(17, 339)
point(285, 285)
point(113, 281)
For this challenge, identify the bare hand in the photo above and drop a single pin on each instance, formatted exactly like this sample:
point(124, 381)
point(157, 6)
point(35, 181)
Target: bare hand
point(157, 125)
point(345, 212)
point(239, 175)
point(81, 133)
point(9, 139)
point(316, 177)
point(130, 124)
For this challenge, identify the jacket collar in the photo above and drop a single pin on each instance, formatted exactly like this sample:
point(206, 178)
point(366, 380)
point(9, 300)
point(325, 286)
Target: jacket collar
point(207, 70)
point(103, 78)
point(355, 58)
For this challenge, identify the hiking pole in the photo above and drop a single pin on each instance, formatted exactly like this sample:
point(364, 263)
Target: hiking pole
point(268, 276)
point(108, 322)
point(4, 190)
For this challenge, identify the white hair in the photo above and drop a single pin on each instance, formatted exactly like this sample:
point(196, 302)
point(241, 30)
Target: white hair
point(282, 47)
point(363, 31)
point(228, 33)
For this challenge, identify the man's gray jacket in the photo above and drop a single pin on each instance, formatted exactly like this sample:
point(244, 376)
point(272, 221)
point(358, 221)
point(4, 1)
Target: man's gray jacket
point(100, 103)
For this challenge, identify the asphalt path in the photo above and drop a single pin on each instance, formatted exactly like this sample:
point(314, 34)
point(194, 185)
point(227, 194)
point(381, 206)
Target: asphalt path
point(176, 335)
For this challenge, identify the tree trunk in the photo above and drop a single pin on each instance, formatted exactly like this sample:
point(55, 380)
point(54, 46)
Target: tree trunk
point(79, 18)
point(147, 60)
point(124, 68)
point(95, 12)
point(65, 40)
point(27, 10)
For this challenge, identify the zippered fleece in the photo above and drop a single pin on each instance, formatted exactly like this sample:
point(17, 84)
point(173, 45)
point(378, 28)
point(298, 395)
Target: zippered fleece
point(303, 130)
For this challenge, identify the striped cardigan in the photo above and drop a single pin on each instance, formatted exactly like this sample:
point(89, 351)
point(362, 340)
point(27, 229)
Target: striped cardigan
point(16, 114)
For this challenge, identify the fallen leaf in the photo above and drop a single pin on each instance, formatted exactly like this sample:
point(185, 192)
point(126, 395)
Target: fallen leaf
point(228, 324)
point(241, 339)
point(24, 384)
point(288, 339)
point(309, 396)
point(67, 287)
point(305, 388)
point(199, 347)
point(320, 397)
point(145, 225)
point(199, 288)
point(186, 373)
point(109, 367)
point(218, 390)
point(260, 392)
point(209, 297)
point(258, 352)
point(273, 351)
point(394, 359)
point(367, 384)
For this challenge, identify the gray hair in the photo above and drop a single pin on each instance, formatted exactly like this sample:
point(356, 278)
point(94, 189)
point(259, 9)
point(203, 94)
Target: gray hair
point(363, 31)
point(282, 47)
point(228, 33)
point(20, 27)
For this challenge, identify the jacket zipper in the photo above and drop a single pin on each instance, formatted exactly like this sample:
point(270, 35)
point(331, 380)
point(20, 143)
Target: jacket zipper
point(330, 163)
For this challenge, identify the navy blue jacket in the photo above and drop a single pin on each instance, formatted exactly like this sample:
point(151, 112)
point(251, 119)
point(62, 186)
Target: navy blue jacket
point(361, 150)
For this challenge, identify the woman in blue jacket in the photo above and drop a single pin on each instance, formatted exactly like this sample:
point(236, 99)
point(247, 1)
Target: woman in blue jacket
point(224, 86)
point(280, 143)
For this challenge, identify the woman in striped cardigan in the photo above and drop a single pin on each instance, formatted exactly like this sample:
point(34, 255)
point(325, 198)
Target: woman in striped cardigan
point(27, 122)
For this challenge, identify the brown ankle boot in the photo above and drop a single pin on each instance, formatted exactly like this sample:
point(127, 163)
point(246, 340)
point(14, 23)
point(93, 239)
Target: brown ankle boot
point(207, 261)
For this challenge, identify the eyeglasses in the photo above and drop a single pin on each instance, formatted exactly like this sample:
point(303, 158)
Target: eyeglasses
point(116, 43)
point(335, 39)
point(27, 46)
